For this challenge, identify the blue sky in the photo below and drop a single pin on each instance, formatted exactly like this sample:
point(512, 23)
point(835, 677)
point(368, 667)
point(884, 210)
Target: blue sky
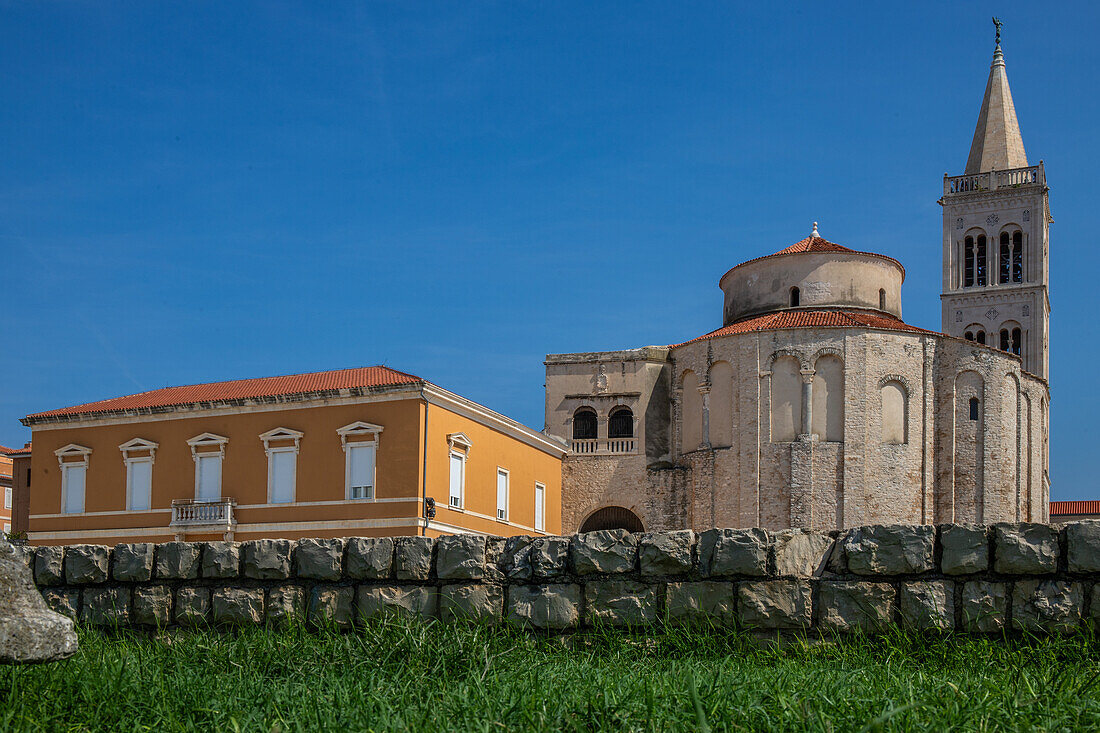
point(202, 191)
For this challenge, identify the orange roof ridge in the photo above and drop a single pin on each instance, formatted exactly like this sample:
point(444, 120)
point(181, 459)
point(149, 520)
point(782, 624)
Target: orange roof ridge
point(1075, 506)
point(810, 319)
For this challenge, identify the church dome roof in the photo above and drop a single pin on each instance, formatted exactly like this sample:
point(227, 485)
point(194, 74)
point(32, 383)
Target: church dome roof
point(811, 319)
point(814, 244)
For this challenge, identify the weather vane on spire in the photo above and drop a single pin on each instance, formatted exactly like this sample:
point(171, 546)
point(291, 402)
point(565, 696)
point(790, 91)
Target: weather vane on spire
point(997, 22)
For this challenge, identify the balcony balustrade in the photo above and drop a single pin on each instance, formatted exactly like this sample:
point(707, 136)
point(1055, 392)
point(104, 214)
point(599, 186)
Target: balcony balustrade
point(211, 516)
point(610, 446)
point(1033, 175)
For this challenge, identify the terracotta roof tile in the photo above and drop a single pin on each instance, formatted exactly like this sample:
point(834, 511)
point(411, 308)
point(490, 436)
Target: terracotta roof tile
point(363, 377)
point(4, 450)
point(819, 244)
point(1088, 506)
point(811, 319)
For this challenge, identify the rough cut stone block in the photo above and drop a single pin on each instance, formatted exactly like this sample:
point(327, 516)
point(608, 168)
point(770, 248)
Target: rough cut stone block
point(705, 602)
point(106, 606)
point(851, 605)
point(152, 605)
point(928, 604)
point(370, 558)
point(413, 559)
point(801, 554)
point(284, 604)
point(331, 605)
point(319, 559)
point(49, 566)
point(1025, 549)
point(238, 606)
point(29, 630)
point(1083, 546)
point(965, 549)
point(460, 557)
point(891, 549)
point(1046, 605)
point(553, 606)
point(550, 557)
point(734, 552)
point(984, 605)
point(221, 560)
point(399, 600)
point(481, 603)
point(192, 606)
point(133, 561)
point(178, 560)
point(775, 604)
point(666, 553)
point(620, 603)
point(65, 601)
point(266, 559)
point(494, 549)
point(604, 551)
point(515, 558)
point(85, 564)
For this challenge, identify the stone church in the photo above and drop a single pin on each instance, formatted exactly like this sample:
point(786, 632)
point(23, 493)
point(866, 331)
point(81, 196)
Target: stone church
point(815, 405)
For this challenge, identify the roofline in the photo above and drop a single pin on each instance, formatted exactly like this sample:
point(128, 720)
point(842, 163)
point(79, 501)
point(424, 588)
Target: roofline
point(802, 254)
point(446, 399)
point(909, 329)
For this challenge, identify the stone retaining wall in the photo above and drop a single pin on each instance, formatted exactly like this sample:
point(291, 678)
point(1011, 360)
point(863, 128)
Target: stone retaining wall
point(1029, 577)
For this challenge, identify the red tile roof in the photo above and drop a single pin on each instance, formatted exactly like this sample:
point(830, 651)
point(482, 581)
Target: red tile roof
point(242, 389)
point(4, 450)
point(818, 244)
point(1091, 506)
point(812, 319)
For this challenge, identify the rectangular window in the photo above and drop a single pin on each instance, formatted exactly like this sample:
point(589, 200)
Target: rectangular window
point(502, 494)
point(540, 507)
point(139, 485)
point(458, 479)
point(360, 468)
point(72, 487)
point(7, 497)
point(208, 477)
point(282, 466)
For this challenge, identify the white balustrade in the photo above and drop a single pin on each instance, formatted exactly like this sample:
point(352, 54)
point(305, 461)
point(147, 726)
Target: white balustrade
point(190, 513)
point(585, 446)
point(620, 445)
point(603, 447)
point(993, 180)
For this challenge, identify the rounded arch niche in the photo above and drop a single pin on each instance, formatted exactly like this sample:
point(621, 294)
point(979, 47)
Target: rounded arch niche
point(612, 517)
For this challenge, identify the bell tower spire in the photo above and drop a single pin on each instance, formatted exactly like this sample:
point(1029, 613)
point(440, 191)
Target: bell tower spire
point(997, 144)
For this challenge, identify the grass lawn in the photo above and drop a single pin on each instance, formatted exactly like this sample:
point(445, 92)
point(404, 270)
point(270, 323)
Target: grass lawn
point(399, 676)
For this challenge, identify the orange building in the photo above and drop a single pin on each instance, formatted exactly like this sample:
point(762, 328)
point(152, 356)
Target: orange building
point(6, 486)
point(353, 452)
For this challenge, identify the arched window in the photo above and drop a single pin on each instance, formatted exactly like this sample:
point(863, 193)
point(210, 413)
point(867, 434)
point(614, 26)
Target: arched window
point(786, 399)
point(881, 299)
point(1004, 339)
point(969, 335)
point(795, 297)
point(691, 436)
point(1005, 259)
point(968, 262)
point(584, 424)
point(621, 423)
point(980, 274)
point(612, 517)
point(1017, 257)
point(973, 408)
point(980, 338)
point(828, 399)
point(894, 413)
point(1017, 344)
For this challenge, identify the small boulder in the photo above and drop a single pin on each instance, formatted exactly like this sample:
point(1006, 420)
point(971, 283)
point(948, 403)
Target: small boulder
point(29, 630)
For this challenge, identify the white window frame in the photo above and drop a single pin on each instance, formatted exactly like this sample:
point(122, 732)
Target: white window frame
point(461, 503)
point(7, 497)
point(138, 445)
point(281, 434)
point(207, 440)
point(83, 453)
point(502, 512)
point(361, 430)
point(540, 506)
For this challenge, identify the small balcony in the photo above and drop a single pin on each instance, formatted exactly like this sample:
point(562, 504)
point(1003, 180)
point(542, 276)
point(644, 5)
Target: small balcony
point(192, 515)
point(604, 447)
point(1033, 175)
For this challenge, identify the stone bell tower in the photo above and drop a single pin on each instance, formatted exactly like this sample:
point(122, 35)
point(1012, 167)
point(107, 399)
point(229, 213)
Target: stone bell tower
point(996, 219)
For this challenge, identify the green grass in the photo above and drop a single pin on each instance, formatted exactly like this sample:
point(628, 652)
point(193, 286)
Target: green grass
point(398, 676)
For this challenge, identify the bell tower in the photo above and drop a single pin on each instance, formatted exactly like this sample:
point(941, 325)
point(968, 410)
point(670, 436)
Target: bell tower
point(996, 219)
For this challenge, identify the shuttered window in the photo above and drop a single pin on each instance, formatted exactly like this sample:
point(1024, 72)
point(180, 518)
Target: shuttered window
point(282, 466)
point(72, 487)
point(502, 494)
point(209, 473)
point(139, 484)
point(540, 507)
point(458, 478)
point(360, 471)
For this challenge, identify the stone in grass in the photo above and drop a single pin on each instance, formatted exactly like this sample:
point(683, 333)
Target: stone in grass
point(800, 553)
point(984, 606)
point(266, 559)
point(29, 630)
point(604, 551)
point(666, 553)
point(1025, 548)
point(477, 602)
point(414, 601)
point(106, 606)
point(620, 603)
point(319, 559)
point(192, 606)
point(152, 606)
point(285, 604)
point(706, 602)
point(132, 561)
point(460, 557)
point(775, 604)
point(552, 606)
point(178, 560)
point(413, 558)
point(49, 565)
point(852, 605)
point(221, 560)
point(1046, 605)
point(928, 604)
point(734, 552)
point(238, 606)
point(85, 564)
point(890, 549)
point(1094, 607)
point(370, 558)
point(965, 549)
point(331, 605)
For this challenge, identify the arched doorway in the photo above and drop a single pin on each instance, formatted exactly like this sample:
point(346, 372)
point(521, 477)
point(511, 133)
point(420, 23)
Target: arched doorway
point(612, 517)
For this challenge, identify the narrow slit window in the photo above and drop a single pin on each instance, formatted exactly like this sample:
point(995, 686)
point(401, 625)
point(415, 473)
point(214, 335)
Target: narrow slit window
point(973, 408)
point(968, 262)
point(1004, 339)
point(458, 479)
point(502, 495)
point(540, 507)
point(980, 274)
point(795, 297)
point(1017, 257)
point(1017, 342)
point(881, 299)
point(1004, 259)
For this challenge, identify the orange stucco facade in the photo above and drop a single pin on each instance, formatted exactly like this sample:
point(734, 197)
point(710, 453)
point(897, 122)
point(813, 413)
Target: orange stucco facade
point(411, 462)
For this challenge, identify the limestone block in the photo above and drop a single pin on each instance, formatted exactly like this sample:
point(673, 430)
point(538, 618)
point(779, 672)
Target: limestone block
point(620, 603)
point(1046, 605)
point(460, 557)
point(221, 560)
point(775, 604)
point(85, 564)
point(800, 553)
point(238, 606)
point(132, 561)
point(331, 604)
point(984, 605)
point(666, 553)
point(494, 549)
point(928, 604)
point(373, 601)
point(734, 552)
point(709, 602)
point(266, 559)
point(284, 604)
point(481, 602)
point(49, 565)
point(192, 606)
point(891, 549)
point(106, 606)
point(152, 605)
point(29, 630)
point(1083, 546)
point(65, 601)
point(1025, 549)
point(178, 560)
point(604, 551)
point(851, 605)
point(965, 549)
point(370, 558)
point(550, 557)
point(413, 559)
point(551, 606)
point(515, 558)
point(319, 559)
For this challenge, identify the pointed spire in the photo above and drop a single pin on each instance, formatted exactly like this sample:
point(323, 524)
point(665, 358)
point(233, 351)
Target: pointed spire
point(997, 141)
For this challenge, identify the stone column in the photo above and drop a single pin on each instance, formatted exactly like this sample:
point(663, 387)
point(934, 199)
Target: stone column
point(704, 390)
point(807, 401)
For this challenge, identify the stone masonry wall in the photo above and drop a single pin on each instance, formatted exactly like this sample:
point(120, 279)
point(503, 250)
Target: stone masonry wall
point(1030, 577)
